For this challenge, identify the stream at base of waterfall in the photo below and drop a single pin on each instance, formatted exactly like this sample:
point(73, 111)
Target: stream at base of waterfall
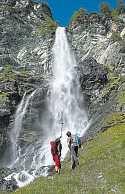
point(65, 106)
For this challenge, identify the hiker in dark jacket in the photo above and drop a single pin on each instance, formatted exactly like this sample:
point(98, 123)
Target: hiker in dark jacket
point(73, 147)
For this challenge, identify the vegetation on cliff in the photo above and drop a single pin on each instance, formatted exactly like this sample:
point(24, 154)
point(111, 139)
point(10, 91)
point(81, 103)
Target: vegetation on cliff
point(105, 10)
point(47, 27)
point(78, 14)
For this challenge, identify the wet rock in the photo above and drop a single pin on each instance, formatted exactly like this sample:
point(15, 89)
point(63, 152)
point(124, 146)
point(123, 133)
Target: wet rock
point(8, 185)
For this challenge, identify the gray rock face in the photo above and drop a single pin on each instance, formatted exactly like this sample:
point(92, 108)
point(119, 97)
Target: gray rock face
point(101, 60)
point(93, 48)
point(92, 23)
point(20, 45)
point(27, 51)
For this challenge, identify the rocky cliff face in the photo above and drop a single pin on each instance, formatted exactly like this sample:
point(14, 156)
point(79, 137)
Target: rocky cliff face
point(26, 38)
point(100, 50)
point(21, 38)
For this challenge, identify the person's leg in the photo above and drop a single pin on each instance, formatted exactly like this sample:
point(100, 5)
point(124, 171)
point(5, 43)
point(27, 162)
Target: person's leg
point(73, 157)
point(57, 163)
point(76, 150)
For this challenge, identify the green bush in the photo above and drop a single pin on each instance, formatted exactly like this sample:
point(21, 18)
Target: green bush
point(48, 26)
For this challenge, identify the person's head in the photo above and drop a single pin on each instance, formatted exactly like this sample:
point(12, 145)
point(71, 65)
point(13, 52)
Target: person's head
point(52, 143)
point(68, 133)
point(57, 140)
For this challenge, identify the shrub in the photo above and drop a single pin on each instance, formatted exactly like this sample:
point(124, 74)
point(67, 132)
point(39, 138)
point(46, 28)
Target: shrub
point(105, 9)
point(115, 14)
point(78, 14)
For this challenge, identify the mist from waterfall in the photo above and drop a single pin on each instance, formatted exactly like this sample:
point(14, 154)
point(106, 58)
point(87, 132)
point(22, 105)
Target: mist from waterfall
point(65, 105)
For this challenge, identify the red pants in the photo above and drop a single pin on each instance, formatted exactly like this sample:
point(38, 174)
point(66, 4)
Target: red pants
point(56, 159)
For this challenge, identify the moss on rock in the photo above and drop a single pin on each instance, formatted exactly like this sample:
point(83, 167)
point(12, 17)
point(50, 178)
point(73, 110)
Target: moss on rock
point(3, 97)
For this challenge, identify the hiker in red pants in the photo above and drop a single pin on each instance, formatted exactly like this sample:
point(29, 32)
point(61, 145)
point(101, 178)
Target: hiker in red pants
point(56, 148)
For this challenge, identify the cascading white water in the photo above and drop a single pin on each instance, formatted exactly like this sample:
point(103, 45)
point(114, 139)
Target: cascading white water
point(65, 104)
point(15, 132)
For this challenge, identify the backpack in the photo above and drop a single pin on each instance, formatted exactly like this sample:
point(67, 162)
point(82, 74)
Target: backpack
point(76, 140)
point(79, 141)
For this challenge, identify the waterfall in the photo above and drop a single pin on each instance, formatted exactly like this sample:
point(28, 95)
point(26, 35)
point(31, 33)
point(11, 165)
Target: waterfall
point(65, 105)
point(66, 102)
point(15, 132)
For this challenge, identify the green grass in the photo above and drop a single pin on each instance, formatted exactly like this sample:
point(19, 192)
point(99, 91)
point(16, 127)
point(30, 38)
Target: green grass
point(121, 98)
point(115, 118)
point(114, 82)
point(101, 169)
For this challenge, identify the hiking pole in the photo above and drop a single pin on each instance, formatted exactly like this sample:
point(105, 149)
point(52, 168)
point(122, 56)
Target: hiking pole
point(62, 123)
point(61, 128)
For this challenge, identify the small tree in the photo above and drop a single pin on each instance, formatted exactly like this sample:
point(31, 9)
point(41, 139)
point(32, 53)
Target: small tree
point(81, 12)
point(105, 9)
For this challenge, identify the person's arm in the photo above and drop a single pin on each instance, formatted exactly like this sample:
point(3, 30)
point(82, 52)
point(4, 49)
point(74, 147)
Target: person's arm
point(59, 149)
point(69, 142)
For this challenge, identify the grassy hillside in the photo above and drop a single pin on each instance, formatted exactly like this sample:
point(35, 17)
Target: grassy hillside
point(101, 169)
